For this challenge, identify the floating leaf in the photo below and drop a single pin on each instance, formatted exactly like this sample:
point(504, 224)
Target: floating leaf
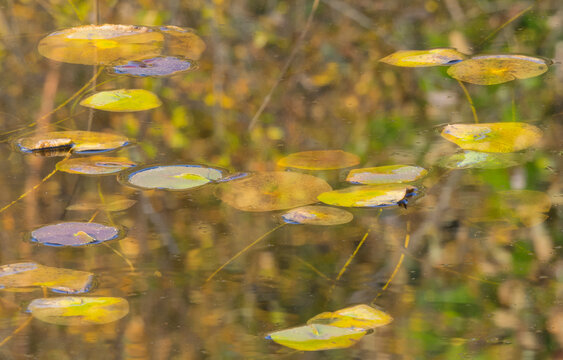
point(78, 142)
point(30, 274)
point(123, 100)
point(275, 190)
point(317, 215)
point(182, 42)
point(154, 67)
point(75, 234)
point(101, 44)
point(79, 310)
point(316, 337)
point(497, 69)
point(493, 137)
point(368, 195)
point(171, 177)
point(479, 160)
point(95, 165)
point(111, 203)
point(422, 58)
point(386, 174)
point(320, 160)
point(359, 317)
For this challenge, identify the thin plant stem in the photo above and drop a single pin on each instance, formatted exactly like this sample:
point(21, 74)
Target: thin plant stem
point(470, 100)
point(127, 261)
point(314, 269)
point(243, 251)
point(508, 22)
point(34, 187)
point(345, 267)
point(286, 66)
point(399, 263)
point(18, 330)
point(94, 216)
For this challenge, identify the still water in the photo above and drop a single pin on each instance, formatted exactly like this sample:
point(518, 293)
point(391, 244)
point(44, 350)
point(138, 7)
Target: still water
point(470, 268)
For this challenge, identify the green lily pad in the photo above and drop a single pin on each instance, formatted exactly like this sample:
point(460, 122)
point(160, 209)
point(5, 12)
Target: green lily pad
point(123, 100)
point(75, 234)
point(424, 58)
point(316, 337)
point(317, 215)
point(497, 69)
point(182, 42)
point(171, 177)
point(30, 274)
point(479, 160)
point(79, 310)
point(359, 317)
point(493, 137)
point(101, 44)
point(79, 142)
point(275, 190)
point(95, 165)
point(386, 174)
point(368, 195)
point(320, 160)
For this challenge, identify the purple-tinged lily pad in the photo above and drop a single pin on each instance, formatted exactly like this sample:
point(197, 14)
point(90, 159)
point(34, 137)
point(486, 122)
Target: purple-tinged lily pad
point(154, 67)
point(75, 234)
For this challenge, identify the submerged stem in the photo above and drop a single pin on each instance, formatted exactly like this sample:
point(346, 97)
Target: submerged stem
point(470, 100)
point(491, 35)
point(243, 251)
point(15, 332)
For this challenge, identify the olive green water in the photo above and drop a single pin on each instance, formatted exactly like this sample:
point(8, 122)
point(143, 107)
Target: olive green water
point(482, 277)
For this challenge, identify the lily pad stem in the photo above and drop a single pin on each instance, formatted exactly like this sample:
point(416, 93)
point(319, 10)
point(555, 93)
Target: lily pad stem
point(470, 101)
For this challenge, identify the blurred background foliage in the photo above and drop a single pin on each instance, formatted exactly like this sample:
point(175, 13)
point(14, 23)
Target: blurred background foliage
point(487, 290)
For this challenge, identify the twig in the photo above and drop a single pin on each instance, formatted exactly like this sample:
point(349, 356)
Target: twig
point(286, 66)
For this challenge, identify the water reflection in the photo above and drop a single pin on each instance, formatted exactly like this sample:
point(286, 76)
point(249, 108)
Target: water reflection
point(480, 278)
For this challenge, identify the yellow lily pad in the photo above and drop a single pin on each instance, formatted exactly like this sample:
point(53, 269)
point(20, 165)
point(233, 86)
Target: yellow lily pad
point(275, 190)
point(497, 69)
point(493, 137)
point(79, 142)
point(101, 44)
point(171, 177)
point(95, 165)
point(316, 337)
point(369, 195)
point(30, 274)
point(424, 58)
point(79, 310)
point(386, 174)
point(317, 215)
point(359, 317)
point(123, 100)
point(479, 160)
point(320, 160)
point(182, 42)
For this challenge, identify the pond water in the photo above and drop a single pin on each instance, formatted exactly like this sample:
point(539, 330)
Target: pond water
point(183, 230)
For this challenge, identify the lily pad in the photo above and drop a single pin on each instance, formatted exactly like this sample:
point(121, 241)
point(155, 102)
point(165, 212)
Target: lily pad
point(171, 177)
point(317, 215)
point(493, 137)
point(182, 42)
point(101, 44)
point(479, 160)
point(320, 160)
point(122, 100)
point(359, 317)
point(79, 310)
point(275, 190)
point(386, 174)
point(95, 165)
point(154, 67)
point(111, 203)
point(497, 69)
point(369, 195)
point(30, 274)
point(424, 58)
point(75, 234)
point(316, 337)
point(79, 142)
